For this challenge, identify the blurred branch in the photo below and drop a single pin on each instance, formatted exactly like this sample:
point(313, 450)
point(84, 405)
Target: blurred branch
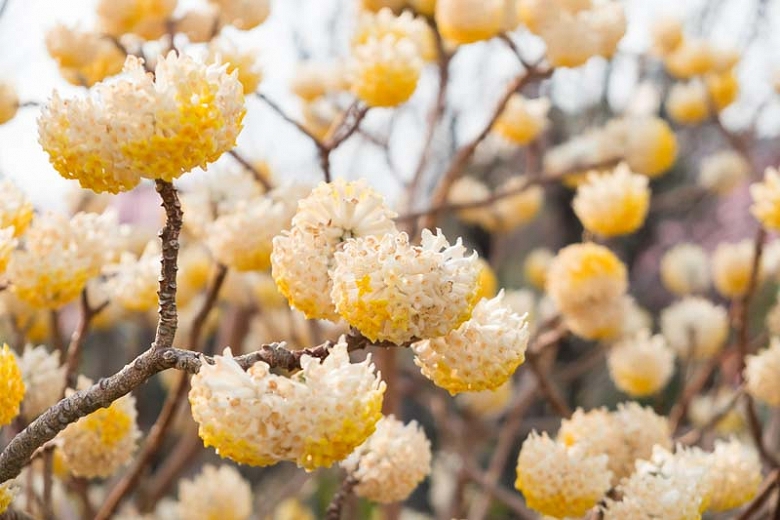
point(695, 435)
point(337, 503)
point(169, 410)
point(464, 154)
point(86, 314)
point(347, 126)
point(254, 171)
point(771, 482)
point(756, 432)
point(152, 361)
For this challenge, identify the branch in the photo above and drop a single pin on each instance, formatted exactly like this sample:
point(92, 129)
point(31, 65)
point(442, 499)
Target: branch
point(742, 324)
point(255, 173)
point(169, 410)
point(764, 492)
point(155, 360)
point(757, 434)
point(337, 503)
point(87, 313)
point(301, 128)
point(169, 236)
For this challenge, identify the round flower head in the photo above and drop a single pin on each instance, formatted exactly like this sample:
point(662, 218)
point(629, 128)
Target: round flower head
point(584, 275)
point(685, 269)
point(245, 62)
point(613, 204)
point(651, 146)
point(688, 103)
point(315, 418)
point(761, 374)
point(642, 429)
point(734, 475)
point(8, 492)
point(301, 258)
point(392, 461)
point(722, 89)
point(405, 25)
point(84, 58)
point(242, 239)
point(559, 480)
point(217, 193)
point(691, 58)
point(641, 365)
point(468, 190)
point(55, 264)
point(16, 211)
point(102, 442)
point(667, 33)
point(137, 126)
point(424, 7)
point(487, 404)
point(215, 493)
point(384, 72)
point(597, 432)
point(141, 17)
point(133, 281)
point(11, 384)
point(766, 200)
point(519, 208)
point(243, 14)
point(536, 265)
point(9, 102)
point(467, 21)
point(481, 354)
point(313, 79)
point(602, 320)
point(43, 378)
point(390, 290)
point(651, 493)
point(722, 171)
point(522, 120)
point(695, 327)
point(732, 267)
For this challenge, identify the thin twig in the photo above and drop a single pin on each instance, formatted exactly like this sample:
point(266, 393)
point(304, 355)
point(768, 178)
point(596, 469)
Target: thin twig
point(680, 410)
point(54, 332)
point(756, 432)
point(179, 459)
point(764, 492)
point(693, 436)
point(86, 314)
point(742, 324)
point(464, 154)
point(48, 456)
point(100, 395)
point(337, 503)
point(259, 177)
point(508, 498)
point(169, 410)
point(301, 128)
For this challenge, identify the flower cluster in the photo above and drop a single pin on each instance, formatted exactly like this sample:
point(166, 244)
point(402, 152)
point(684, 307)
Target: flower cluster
point(613, 204)
point(641, 365)
point(587, 283)
point(761, 374)
point(513, 203)
point(140, 126)
point(12, 385)
point(685, 269)
point(44, 379)
point(391, 290)
point(302, 256)
point(315, 418)
point(695, 327)
point(481, 354)
point(99, 444)
point(392, 461)
point(216, 492)
point(575, 31)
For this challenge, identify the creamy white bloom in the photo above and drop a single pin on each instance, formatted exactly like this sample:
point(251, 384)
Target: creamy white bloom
point(641, 365)
point(391, 290)
point(695, 327)
point(44, 379)
point(133, 281)
point(560, 480)
point(685, 269)
point(302, 257)
point(215, 492)
point(392, 461)
point(613, 204)
point(761, 374)
point(481, 354)
point(315, 418)
point(734, 476)
point(723, 171)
